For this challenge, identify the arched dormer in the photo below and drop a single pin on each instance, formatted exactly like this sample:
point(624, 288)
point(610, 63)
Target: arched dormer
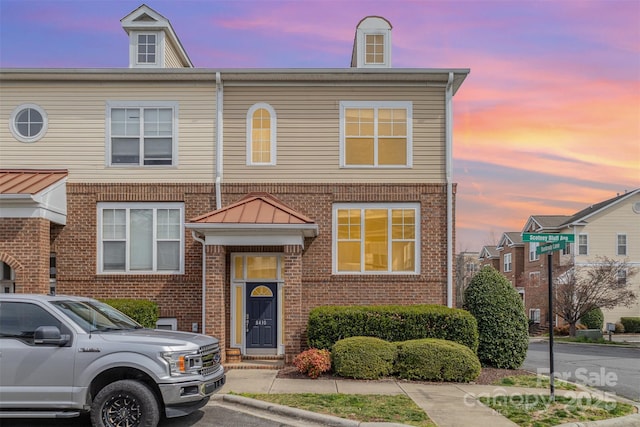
point(152, 41)
point(372, 44)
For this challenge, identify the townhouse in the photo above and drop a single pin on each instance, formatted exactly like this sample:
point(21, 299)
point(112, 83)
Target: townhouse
point(236, 199)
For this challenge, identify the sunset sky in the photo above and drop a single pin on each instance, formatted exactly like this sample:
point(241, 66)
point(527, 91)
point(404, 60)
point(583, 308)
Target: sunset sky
point(547, 122)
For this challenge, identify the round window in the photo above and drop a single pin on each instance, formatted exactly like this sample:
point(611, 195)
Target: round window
point(28, 123)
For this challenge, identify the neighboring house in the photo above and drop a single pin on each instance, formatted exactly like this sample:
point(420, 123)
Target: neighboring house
point(511, 251)
point(237, 200)
point(467, 265)
point(609, 229)
point(490, 256)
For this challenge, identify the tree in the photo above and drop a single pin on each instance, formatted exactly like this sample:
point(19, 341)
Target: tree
point(603, 284)
point(502, 325)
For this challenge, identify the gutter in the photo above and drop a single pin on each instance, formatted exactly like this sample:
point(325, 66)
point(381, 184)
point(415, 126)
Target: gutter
point(449, 173)
point(204, 276)
point(219, 139)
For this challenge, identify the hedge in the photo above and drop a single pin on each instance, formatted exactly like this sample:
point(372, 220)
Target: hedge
point(593, 319)
point(433, 359)
point(365, 358)
point(329, 324)
point(144, 312)
point(631, 324)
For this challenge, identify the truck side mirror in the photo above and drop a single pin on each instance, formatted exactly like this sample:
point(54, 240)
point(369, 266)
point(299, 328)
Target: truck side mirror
point(49, 335)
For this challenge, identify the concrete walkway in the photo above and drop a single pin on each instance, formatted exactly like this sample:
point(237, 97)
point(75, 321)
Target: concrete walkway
point(447, 404)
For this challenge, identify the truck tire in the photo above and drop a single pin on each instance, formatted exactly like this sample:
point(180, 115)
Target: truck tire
point(125, 403)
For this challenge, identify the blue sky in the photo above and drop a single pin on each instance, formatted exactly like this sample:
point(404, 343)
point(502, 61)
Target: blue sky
point(547, 122)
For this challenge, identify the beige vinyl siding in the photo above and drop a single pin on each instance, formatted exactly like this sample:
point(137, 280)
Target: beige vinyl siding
point(171, 59)
point(308, 133)
point(75, 139)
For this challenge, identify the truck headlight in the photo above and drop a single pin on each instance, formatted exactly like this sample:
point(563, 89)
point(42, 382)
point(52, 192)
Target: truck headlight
point(183, 362)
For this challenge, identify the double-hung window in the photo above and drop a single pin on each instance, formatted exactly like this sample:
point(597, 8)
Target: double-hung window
point(621, 248)
point(583, 244)
point(375, 134)
point(147, 46)
point(533, 255)
point(140, 238)
point(142, 134)
point(376, 238)
point(507, 263)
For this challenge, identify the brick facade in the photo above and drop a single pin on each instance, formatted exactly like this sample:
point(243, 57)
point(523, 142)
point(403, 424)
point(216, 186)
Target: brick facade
point(309, 281)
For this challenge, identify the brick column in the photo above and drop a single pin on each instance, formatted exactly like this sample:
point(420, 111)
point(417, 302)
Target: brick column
point(25, 245)
point(294, 324)
point(214, 298)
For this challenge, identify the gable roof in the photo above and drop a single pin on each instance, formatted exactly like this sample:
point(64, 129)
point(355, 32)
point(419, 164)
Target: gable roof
point(598, 207)
point(510, 238)
point(539, 223)
point(254, 208)
point(488, 252)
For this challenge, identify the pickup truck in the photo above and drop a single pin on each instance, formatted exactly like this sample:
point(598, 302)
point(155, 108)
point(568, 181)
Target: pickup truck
point(64, 355)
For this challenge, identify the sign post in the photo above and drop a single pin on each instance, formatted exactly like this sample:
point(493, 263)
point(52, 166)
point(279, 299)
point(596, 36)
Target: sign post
point(548, 244)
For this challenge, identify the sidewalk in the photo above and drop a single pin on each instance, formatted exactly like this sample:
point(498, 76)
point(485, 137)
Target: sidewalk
point(447, 404)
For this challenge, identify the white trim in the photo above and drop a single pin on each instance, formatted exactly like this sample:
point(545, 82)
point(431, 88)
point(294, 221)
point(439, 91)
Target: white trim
point(142, 105)
point(366, 206)
point(50, 204)
point(505, 263)
point(578, 244)
point(14, 129)
point(407, 105)
point(273, 135)
point(139, 205)
point(626, 245)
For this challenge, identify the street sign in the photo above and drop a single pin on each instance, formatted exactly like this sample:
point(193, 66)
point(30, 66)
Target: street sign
point(547, 237)
point(550, 247)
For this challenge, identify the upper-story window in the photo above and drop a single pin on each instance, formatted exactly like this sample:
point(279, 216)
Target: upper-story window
point(261, 135)
point(376, 238)
point(142, 134)
point(375, 134)
point(139, 238)
point(621, 248)
point(147, 45)
point(28, 123)
point(533, 255)
point(507, 263)
point(374, 49)
point(583, 244)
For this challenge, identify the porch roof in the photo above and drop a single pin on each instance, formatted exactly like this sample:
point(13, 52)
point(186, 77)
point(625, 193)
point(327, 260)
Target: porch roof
point(257, 219)
point(34, 193)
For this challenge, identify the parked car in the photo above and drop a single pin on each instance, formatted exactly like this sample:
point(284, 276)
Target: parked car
point(63, 355)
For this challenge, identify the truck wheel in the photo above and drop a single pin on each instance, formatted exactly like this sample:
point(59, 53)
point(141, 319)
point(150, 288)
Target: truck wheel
point(125, 403)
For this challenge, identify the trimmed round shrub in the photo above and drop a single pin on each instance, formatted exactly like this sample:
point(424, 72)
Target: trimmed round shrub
point(363, 357)
point(433, 359)
point(593, 319)
point(502, 324)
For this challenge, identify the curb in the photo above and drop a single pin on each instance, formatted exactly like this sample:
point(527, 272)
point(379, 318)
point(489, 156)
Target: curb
point(326, 420)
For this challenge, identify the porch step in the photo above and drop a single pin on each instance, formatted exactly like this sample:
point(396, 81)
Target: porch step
point(257, 362)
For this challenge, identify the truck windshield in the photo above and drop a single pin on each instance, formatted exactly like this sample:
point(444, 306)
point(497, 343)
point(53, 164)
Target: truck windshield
point(94, 316)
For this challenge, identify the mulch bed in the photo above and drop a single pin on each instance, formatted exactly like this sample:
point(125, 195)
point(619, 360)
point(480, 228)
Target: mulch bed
point(487, 375)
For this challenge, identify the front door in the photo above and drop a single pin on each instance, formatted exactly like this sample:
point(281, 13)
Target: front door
point(261, 315)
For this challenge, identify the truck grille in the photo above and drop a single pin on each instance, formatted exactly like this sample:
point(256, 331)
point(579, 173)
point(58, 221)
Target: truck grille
point(210, 359)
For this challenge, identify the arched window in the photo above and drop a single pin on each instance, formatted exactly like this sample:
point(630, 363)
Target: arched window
point(261, 135)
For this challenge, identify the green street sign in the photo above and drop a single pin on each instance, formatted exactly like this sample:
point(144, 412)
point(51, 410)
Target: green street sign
point(548, 237)
point(550, 247)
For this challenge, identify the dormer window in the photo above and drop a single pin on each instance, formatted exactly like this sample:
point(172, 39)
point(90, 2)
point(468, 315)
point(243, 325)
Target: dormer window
point(372, 46)
point(147, 48)
point(374, 49)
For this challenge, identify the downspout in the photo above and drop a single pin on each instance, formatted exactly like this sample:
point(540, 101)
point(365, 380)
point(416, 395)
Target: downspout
point(219, 111)
point(449, 178)
point(204, 276)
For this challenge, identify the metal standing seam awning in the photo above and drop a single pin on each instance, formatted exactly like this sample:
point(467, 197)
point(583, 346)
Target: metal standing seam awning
point(258, 219)
point(34, 193)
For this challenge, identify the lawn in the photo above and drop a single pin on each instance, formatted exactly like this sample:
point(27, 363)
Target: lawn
point(366, 408)
point(534, 381)
point(538, 411)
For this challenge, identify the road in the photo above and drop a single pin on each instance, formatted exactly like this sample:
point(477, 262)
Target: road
point(614, 369)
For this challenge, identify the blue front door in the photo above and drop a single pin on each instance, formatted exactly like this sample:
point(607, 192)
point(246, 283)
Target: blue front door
point(262, 303)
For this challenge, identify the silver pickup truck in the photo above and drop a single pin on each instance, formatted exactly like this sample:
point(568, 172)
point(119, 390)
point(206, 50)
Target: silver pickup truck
point(63, 355)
